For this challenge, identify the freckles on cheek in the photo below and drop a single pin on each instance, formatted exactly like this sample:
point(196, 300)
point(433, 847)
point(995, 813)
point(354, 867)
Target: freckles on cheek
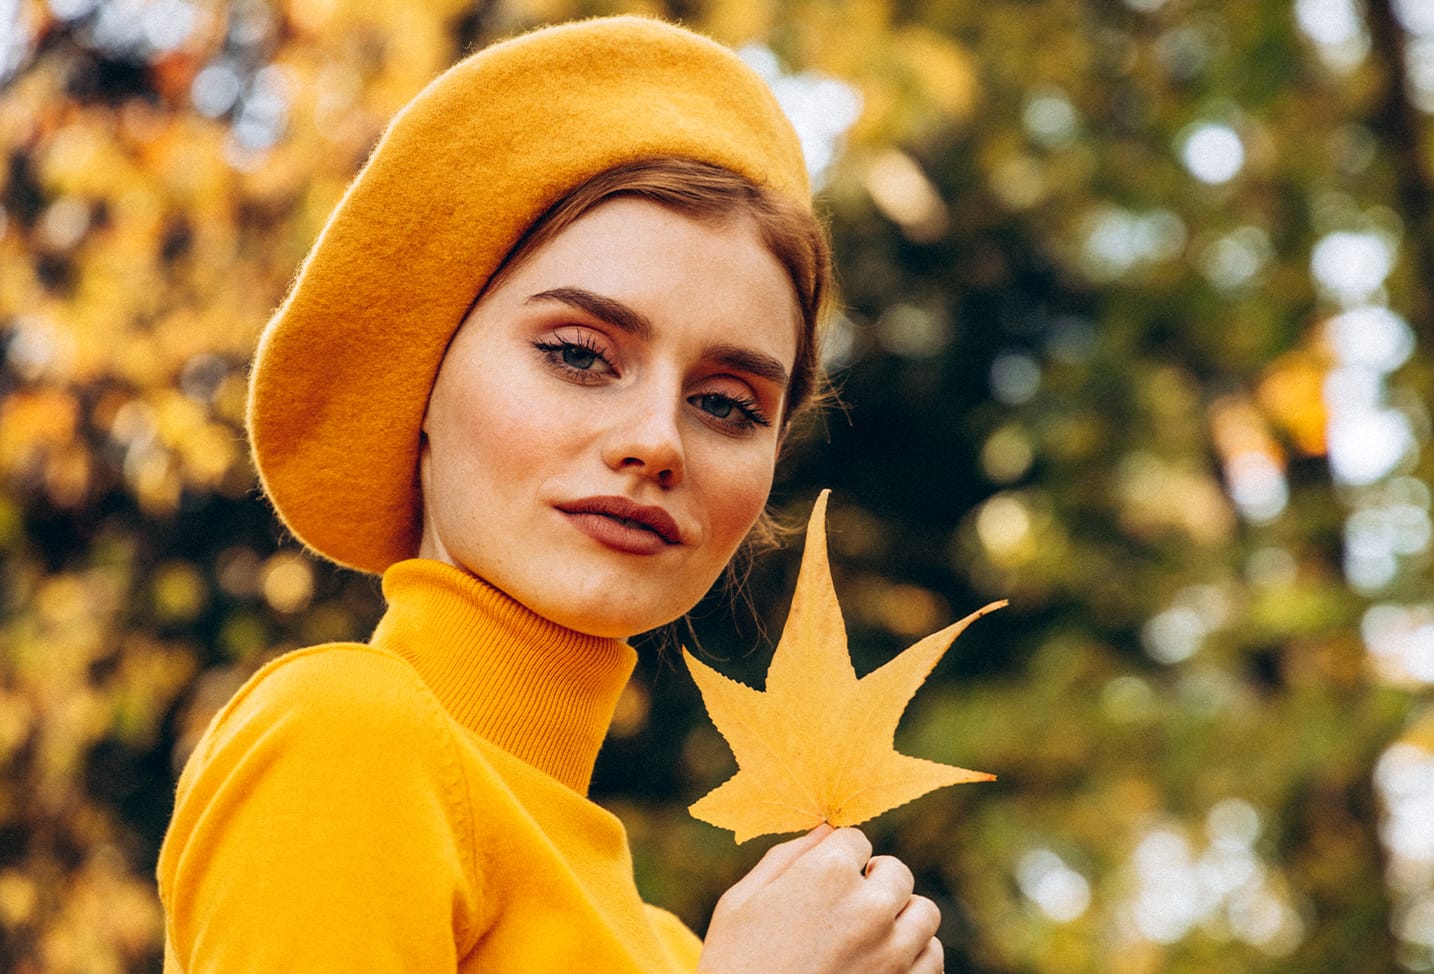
point(504, 415)
point(745, 497)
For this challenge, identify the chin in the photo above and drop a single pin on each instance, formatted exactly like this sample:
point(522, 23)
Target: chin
point(624, 626)
point(613, 617)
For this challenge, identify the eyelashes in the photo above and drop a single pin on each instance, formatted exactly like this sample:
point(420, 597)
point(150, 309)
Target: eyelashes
point(581, 359)
point(721, 408)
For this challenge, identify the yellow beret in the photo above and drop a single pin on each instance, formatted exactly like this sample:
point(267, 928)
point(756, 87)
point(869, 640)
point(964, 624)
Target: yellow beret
point(344, 368)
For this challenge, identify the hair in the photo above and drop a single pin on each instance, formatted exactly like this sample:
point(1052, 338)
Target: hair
point(795, 236)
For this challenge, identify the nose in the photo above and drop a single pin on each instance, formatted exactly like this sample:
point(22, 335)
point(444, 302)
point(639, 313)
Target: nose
point(646, 441)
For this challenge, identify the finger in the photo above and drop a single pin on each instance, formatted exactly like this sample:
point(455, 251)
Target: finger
point(931, 960)
point(917, 923)
point(922, 915)
point(850, 846)
point(891, 873)
point(780, 857)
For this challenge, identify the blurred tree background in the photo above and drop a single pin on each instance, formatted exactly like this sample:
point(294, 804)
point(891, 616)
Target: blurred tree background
point(1133, 297)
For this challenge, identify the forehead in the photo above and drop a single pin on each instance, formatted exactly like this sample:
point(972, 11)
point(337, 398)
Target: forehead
point(678, 268)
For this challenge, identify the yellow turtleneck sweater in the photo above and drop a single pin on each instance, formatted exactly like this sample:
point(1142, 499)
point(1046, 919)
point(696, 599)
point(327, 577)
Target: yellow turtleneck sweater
point(415, 804)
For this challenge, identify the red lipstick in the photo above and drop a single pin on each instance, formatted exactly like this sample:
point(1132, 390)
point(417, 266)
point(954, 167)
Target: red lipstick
point(639, 529)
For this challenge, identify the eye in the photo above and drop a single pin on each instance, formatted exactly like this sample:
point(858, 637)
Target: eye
point(719, 406)
point(731, 413)
point(578, 357)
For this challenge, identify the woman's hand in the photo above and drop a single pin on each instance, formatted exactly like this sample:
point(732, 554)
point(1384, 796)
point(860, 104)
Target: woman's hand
point(821, 904)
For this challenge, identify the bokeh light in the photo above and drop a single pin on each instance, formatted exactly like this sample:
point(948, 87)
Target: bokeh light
point(1015, 377)
point(1060, 892)
point(1117, 240)
point(903, 192)
point(1400, 640)
point(1176, 633)
point(1352, 266)
point(1404, 779)
point(822, 108)
point(1336, 29)
point(1049, 118)
point(912, 331)
point(1225, 889)
point(1213, 152)
point(1235, 259)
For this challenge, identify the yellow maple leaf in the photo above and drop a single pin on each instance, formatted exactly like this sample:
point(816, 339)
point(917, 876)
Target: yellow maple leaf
point(818, 745)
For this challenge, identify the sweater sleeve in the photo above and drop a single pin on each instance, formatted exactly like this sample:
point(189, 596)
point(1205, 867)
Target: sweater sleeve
point(322, 824)
point(681, 944)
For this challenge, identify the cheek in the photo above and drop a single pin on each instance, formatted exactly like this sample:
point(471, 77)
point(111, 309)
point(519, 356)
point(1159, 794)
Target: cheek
point(467, 473)
point(496, 426)
point(739, 495)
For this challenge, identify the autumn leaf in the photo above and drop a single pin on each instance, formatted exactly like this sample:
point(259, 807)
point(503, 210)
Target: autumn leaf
point(818, 745)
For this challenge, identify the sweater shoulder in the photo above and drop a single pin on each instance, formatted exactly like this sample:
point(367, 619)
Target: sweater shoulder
point(333, 772)
point(331, 689)
point(335, 721)
point(341, 673)
point(334, 718)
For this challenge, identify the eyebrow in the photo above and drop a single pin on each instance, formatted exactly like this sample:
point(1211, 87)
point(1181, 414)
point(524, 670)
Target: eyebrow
point(747, 360)
point(613, 312)
point(619, 315)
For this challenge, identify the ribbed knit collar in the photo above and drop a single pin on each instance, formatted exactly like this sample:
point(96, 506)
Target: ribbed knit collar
point(543, 693)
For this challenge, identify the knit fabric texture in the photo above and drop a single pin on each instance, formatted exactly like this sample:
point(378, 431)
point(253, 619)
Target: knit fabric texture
point(416, 804)
point(345, 366)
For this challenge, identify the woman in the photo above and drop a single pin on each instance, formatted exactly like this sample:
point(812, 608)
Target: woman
point(535, 373)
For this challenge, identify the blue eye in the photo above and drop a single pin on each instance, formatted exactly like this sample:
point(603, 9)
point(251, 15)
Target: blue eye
point(575, 359)
point(578, 357)
point(735, 414)
point(719, 406)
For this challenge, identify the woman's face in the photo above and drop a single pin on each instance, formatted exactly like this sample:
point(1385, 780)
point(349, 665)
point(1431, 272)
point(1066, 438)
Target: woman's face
point(604, 427)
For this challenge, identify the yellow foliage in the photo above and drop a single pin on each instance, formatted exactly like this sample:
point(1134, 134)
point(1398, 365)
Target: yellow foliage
point(34, 424)
point(737, 22)
point(1158, 496)
point(904, 610)
point(109, 919)
point(1292, 393)
point(82, 157)
point(17, 719)
point(287, 581)
point(1237, 427)
point(943, 71)
point(179, 592)
point(150, 675)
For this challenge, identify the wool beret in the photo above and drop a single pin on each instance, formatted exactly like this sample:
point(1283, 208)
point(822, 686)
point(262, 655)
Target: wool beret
point(344, 368)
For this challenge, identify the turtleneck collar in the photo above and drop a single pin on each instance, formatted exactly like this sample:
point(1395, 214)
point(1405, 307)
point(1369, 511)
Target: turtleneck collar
point(541, 692)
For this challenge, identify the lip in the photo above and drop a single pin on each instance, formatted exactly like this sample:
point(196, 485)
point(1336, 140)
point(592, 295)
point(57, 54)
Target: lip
point(624, 524)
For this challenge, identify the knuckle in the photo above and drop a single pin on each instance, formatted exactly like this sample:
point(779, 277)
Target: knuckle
point(892, 868)
point(855, 840)
point(890, 882)
point(882, 903)
point(726, 903)
point(933, 956)
point(842, 854)
point(925, 914)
